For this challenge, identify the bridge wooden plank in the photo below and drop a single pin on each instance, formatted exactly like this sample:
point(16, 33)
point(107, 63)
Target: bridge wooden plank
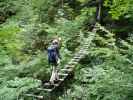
point(79, 54)
point(56, 84)
point(68, 66)
point(67, 70)
point(48, 85)
point(44, 89)
point(62, 74)
point(72, 63)
point(75, 60)
point(86, 44)
point(35, 96)
point(77, 57)
point(61, 79)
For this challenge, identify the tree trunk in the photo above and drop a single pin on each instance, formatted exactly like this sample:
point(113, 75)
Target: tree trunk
point(99, 11)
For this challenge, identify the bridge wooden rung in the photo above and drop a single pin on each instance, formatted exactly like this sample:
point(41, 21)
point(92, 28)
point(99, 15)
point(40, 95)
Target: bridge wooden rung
point(62, 74)
point(44, 89)
point(75, 59)
point(32, 95)
point(77, 56)
point(56, 85)
point(67, 70)
point(86, 44)
point(48, 85)
point(72, 63)
point(80, 52)
point(86, 47)
point(68, 66)
point(61, 79)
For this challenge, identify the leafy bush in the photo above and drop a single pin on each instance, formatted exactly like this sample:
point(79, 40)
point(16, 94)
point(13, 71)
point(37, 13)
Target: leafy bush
point(12, 89)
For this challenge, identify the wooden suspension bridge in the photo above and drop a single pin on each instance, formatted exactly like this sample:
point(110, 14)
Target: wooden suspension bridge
point(68, 69)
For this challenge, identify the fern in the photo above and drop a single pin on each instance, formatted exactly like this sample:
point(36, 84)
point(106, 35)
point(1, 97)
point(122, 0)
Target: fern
point(13, 88)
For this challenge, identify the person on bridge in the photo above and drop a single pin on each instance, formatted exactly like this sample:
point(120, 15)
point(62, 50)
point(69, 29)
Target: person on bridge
point(54, 58)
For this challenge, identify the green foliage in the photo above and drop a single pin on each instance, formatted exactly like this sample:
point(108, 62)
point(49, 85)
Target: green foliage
point(119, 8)
point(46, 13)
point(8, 40)
point(11, 90)
point(104, 74)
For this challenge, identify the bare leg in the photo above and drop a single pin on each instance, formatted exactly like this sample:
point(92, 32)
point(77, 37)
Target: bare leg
point(56, 74)
point(53, 75)
point(56, 70)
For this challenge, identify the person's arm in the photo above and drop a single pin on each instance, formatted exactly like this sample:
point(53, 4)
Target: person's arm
point(58, 52)
point(48, 56)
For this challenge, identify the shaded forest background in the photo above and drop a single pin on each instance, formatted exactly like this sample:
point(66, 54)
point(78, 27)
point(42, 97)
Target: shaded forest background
point(28, 26)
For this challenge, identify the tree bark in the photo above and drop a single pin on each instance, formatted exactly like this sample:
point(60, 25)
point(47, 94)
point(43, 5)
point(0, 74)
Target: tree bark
point(99, 11)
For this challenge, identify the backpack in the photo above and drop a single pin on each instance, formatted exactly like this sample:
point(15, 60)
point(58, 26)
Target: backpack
point(52, 54)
